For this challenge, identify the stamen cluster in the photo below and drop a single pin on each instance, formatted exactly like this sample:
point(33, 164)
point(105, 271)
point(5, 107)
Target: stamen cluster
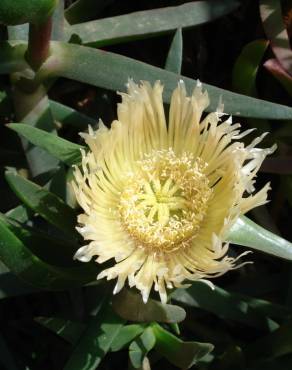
point(163, 204)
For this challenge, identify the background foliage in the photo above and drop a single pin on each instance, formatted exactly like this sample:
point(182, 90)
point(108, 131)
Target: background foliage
point(53, 314)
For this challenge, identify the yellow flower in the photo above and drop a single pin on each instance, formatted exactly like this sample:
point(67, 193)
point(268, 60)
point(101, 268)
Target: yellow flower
point(159, 198)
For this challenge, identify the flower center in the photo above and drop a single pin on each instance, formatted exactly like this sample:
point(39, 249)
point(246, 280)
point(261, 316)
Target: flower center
point(165, 200)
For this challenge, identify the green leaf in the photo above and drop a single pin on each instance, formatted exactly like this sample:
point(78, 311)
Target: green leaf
point(47, 247)
point(58, 21)
point(43, 202)
point(57, 183)
point(231, 306)
point(181, 354)
point(141, 346)
point(70, 195)
point(18, 258)
point(12, 57)
point(126, 335)
point(130, 306)
point(149, 23)
point(246, 67)
point(18, 32)
point(69, 116)
point(62, 149)
point(174, 56)
point(66, 329)
point(25, 11)
point(12, 286)
point(248, 233)
point(34, 109)
point(244, 75)
point(96, 340)
point(111, 71)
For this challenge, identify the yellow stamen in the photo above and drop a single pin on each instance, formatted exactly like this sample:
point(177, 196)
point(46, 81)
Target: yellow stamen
point(162, 212)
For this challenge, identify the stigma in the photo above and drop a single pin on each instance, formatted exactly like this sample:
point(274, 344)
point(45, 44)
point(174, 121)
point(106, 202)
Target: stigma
point(164, 201)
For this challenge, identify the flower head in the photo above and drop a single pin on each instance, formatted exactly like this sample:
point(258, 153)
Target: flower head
point(160, 197)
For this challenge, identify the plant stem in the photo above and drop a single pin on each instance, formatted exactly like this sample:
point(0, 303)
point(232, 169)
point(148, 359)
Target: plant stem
point(30, 96)
point(39, 43)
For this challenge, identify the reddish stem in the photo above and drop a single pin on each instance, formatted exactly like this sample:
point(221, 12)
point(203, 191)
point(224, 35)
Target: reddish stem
point(39, 43)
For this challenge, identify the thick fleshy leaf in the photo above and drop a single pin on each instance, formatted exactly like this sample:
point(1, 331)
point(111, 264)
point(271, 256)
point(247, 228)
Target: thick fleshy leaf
point(70, 195)
point(66, 329)
point(34, 110)
point(150, 22)
point(111, 71)
point(246, 67)
point(96, 340)
point(231, 306)
point(58, 22)
point(248, 233)
point(71, 331)
point(43, 202)
point(47, 247)
point(12, 286)
point(69, 116)
point(62, 149)
point(181, 354)
point(141, 346)
point(18, 32)
point(18, 258)
point(126, 335)
point(19, 213)
point(244, 76)
point(57, 183)
point(272, 18)
point(174, 56)
point(130, 306)
point(12, 57)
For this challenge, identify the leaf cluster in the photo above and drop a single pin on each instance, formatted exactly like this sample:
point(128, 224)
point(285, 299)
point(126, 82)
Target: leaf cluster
point(55, 85)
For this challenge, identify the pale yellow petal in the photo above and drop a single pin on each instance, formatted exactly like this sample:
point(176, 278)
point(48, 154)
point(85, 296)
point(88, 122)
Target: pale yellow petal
point(158, 199)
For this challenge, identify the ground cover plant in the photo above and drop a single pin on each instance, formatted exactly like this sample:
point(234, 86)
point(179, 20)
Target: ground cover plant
point(110, 241)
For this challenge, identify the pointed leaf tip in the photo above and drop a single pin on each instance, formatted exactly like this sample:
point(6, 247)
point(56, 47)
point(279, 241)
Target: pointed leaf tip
point(247, 233)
